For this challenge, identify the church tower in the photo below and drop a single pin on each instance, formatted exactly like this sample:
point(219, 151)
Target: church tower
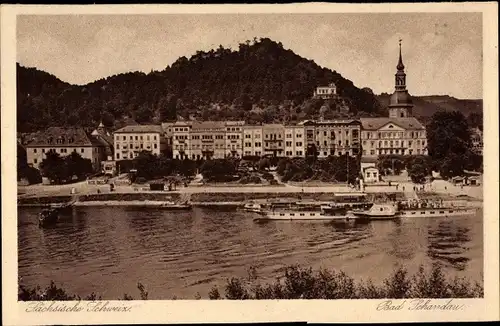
point(401, 104)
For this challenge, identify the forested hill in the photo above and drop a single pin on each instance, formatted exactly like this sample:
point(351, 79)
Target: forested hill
point(261, 81)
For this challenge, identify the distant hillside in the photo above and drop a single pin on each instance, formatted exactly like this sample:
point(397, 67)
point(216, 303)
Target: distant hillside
point(426, 106)
point(261, 81)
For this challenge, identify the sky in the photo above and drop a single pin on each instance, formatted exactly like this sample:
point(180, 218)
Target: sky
point(442, 52)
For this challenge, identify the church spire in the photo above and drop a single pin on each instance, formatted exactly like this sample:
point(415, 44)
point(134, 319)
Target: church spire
point(400, 65)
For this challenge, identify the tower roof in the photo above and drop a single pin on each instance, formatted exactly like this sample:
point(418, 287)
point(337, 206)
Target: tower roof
point(400, 65)
point(400, 98)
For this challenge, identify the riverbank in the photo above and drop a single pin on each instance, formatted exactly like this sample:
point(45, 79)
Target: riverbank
point(323, 284)
point(218, 199)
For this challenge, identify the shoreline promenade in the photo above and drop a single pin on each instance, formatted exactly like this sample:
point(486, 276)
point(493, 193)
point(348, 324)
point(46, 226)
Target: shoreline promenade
point(83, 188)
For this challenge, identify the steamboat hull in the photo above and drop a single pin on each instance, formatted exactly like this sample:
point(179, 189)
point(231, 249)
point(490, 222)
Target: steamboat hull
point(438, 212)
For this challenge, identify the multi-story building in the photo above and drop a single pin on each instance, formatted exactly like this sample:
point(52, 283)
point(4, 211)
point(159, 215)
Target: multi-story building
point(294, 141)
point(477, 141)
point(181, 140)
point(273, 139)
point(105, 137)
point(332, 137)
point(131, 140)
point(168, 132)
point(383, 136)
point(399, 133)
point(207, 140)
point(65, 141)
point(252, 141)
point(326, 92)
point(234, 138)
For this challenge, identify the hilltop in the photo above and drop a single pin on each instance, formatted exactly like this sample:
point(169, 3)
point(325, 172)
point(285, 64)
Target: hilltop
point(260, 81)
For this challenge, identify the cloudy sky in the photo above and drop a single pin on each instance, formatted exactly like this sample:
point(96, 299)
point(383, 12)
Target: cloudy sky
point(442, 52)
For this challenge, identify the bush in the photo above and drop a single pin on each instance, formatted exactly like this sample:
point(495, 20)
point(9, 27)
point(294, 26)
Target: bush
point(304, 283)
point(250, 179)
point(267, 176)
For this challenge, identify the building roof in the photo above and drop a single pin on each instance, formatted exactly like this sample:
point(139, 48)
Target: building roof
point(62, 136)
point(328, 122)
point(410, 123)
point(140, 129)
point(101, 133)
point(208, 125)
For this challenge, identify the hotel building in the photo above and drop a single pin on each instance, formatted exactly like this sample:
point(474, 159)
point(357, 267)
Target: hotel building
point(400, 133)
point(65, 141)
point(333, 137)
point(131, 140)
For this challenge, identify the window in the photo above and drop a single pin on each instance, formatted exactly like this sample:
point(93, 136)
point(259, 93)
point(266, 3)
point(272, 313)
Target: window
point(372, 152)
point(325, 153)
point(34, 150)
point(117, 146)
point(35, 160)
point(324, 143)
point(82, 150)
point(299, 135)
point(117, 156)
point(368, 174)
point(154, 137)
point(298, 143)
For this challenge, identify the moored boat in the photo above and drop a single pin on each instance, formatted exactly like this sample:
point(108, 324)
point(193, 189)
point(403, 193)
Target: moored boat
point(325, 214)
point(438, 212)
point(378, 212)
point(48, 217)
point(175, 206)
point(252, 207)
point(433, 209)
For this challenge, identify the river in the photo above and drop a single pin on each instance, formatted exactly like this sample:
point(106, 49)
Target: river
point(107, 250)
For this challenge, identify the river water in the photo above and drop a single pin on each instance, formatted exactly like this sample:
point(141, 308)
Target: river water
point(107, 250)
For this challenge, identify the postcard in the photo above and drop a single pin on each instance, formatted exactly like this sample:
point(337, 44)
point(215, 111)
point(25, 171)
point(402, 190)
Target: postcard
point(246, 163)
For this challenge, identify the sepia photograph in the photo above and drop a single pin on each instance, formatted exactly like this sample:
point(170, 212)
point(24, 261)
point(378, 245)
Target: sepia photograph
point(249, 156)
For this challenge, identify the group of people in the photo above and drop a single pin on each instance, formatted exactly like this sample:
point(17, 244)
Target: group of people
point(421, 203)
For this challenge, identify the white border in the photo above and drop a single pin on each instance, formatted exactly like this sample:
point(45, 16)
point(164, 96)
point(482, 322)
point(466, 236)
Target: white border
point(251, 311)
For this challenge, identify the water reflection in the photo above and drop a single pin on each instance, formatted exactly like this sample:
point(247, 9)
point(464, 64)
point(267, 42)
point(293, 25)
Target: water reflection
point(448, 243)
point(181, 253)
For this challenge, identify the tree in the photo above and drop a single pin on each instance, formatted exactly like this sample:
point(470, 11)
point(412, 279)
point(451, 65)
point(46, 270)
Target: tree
point(475, 120)
point(418, 172)
point(452, 165)
point(264, 164)
point(77, 166)
point(447, 133)
point(146, 164)
point(54, 167)
point(219, 170)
